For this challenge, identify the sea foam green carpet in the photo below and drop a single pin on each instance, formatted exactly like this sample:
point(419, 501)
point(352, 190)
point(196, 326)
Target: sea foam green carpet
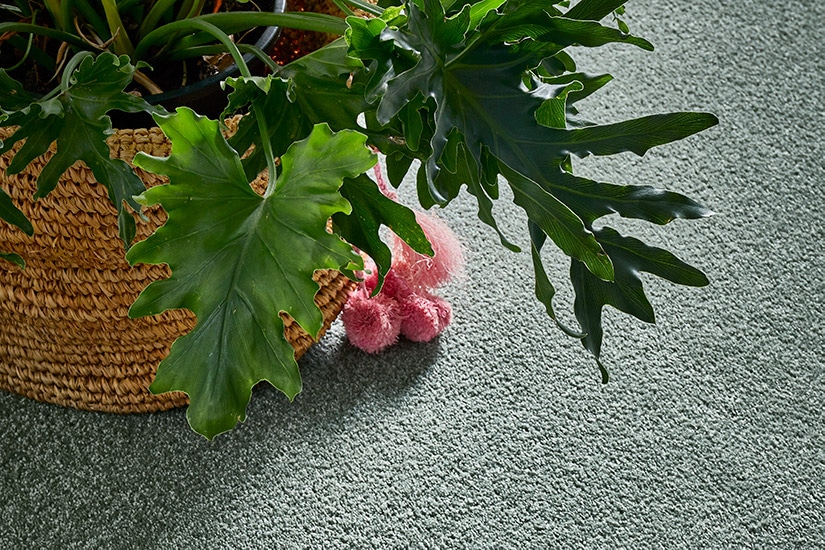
point(500, 434)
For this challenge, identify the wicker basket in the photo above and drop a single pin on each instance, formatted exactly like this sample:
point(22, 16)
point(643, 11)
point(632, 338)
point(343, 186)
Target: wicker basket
point(66, 336)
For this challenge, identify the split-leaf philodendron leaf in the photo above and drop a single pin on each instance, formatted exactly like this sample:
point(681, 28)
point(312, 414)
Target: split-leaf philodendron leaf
point(495, 99)
point(472, 94)
point(76, 120)
point(292, 104)
point(239, 258)
point(371, 210)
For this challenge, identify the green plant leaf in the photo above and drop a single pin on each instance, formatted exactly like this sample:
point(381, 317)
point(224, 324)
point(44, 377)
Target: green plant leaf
point(309, 91)
point(544, 288)
point(559, 223)
point(370, 210)
point(76, 120)
point(238, 259)
point(485, 192)
point(120, 38)
point(637, 135)
point(631, 257)
point(480, 91)
point(504, 98)
point(13, 258)
point(13, 96)
point(594, 9)
point(479, 10)
point(10, 213)
point(497, 112)
point(316, 89)
point(590, 84)
point(553, 33)
point(591, 200)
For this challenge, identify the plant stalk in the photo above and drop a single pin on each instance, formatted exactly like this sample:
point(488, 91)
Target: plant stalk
point(152, 18)
point(263, 129)
point(93, 18)
point(70, 39)
point(157, 36)
point(122, 44)
point(230, 23)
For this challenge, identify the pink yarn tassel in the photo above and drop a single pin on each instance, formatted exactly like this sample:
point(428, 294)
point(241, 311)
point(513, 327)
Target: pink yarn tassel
point(372, 324)
point(423, 317)
point(426, 272)
point(405, 306)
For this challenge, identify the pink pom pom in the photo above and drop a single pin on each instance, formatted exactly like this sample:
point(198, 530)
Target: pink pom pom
point(445, 311)
point(394, 286)
point(405, 306)
point(372, 324)
point(424, 316)
point(426, 272)
point(370, 280)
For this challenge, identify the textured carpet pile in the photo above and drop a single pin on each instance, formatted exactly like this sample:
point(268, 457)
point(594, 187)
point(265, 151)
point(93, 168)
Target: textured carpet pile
point(500, 434)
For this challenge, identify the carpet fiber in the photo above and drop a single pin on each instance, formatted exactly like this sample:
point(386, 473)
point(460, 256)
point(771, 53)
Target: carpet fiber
point(500, 434)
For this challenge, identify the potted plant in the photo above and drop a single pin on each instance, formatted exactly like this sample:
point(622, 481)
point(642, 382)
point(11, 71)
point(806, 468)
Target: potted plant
point(69, 339)
point(481, 93)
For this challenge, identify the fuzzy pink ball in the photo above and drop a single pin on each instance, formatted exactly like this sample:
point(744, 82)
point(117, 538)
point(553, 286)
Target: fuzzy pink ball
point(424, 316)
point(426, 272)
point(394, 286)
point(372, 324)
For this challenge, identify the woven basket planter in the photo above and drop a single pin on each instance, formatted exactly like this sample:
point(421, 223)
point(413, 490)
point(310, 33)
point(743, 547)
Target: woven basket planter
point(66, 336)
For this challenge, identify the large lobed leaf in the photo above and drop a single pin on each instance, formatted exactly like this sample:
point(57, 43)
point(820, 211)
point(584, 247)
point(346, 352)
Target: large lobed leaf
point(631, 257)
point(493, 96)
point(315, 89)
point(371, 209)
point(74, 117)
point(239, 258)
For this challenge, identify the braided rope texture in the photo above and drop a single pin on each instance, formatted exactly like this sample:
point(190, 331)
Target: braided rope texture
point(66, 335)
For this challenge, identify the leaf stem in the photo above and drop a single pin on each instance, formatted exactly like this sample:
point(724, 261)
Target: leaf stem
point(480, 10)
point(195, 9)
point(25, 55)
point(68, 71)
point(199, 24)
point(92, 17)
point(154, 16)
point(199, 51)
point(118, 29)
point(56, 10)
point(236, 21)
point(263, 130)
point(229, 23)
point(44, 31)
point(372, 9)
